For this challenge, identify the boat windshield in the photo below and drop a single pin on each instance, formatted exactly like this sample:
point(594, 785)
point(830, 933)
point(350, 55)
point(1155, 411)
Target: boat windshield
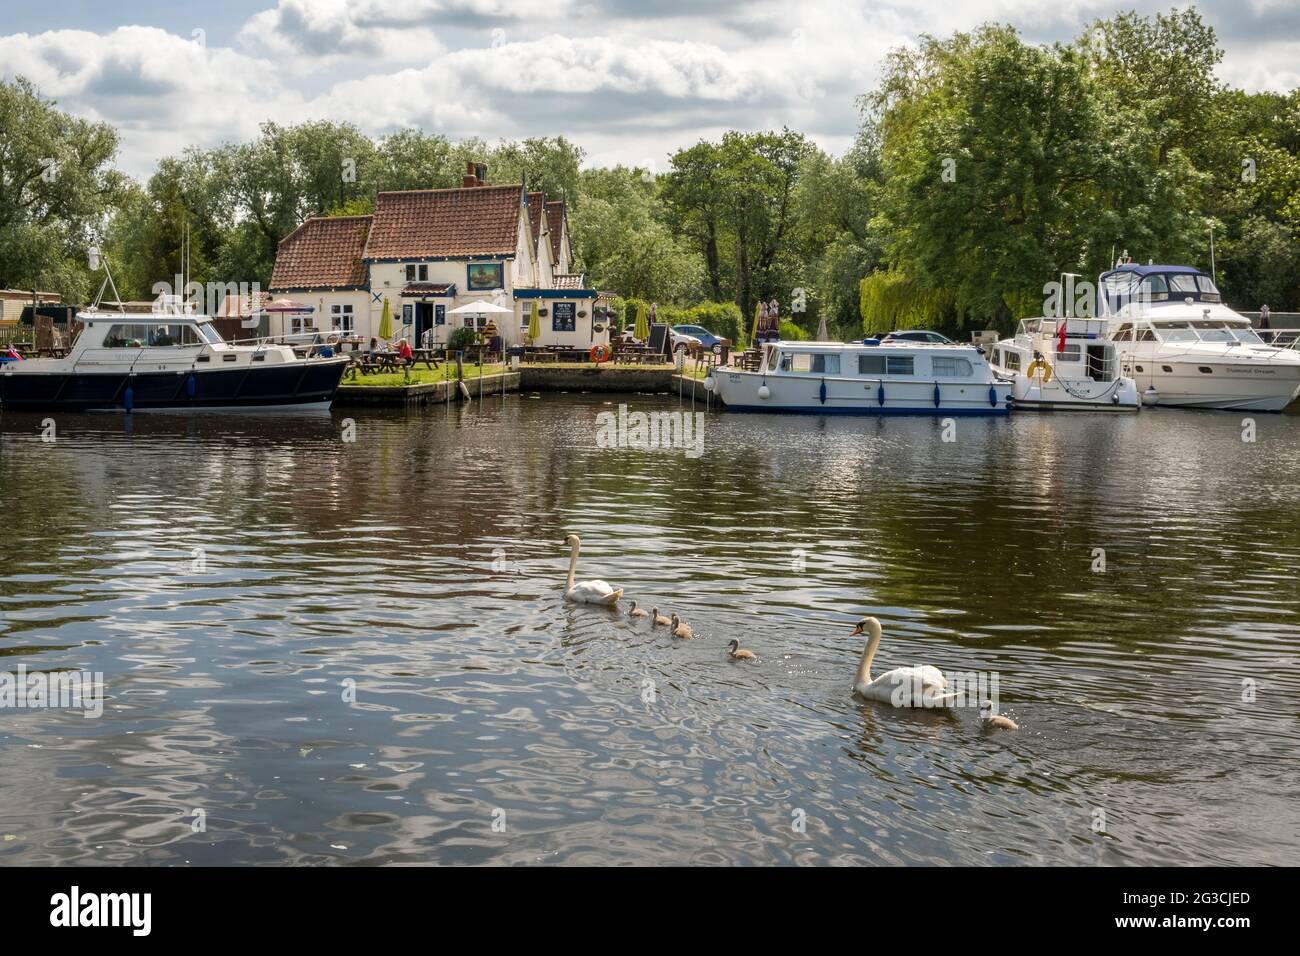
point(1214, 332)
point(1175, 331)
point(1245, 335)
point(211, 335)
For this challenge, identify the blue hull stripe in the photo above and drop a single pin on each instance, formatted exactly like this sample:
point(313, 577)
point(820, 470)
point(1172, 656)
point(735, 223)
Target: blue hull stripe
point(929, 410)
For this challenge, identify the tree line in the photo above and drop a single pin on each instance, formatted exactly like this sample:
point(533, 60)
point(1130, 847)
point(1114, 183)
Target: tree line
point(984, 167)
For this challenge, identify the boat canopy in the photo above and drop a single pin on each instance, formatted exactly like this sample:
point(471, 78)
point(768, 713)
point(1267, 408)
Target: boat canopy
point(1154, 283)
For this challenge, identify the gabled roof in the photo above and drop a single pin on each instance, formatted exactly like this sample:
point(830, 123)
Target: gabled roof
point(445, 223)
point(536, 206)
point(322, 253)
point(571, 280)
point(555, 214)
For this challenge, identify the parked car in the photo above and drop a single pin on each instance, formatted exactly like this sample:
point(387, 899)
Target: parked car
point(918, 335)
point(684, 336)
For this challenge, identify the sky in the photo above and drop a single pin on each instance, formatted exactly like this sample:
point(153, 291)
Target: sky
point(629, 81)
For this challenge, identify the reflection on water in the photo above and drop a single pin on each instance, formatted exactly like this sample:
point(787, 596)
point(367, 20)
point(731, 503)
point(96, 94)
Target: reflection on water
point(240, 580)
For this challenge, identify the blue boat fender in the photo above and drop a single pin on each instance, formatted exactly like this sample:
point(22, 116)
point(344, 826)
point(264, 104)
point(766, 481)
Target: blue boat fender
point(191, 385)
point(936, 394)
point(128, 398)
point(821, 392)
point(993, 396)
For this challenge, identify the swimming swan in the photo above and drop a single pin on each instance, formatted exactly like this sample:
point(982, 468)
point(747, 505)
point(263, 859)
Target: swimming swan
point(681, 628)
point(659, 619)
point(635, 611)
point(587, 592)
point(922, 686)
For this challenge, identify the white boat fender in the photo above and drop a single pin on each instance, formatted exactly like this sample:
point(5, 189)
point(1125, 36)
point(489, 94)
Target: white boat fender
point(764, 391)
point(709, 383)
point(1150, 396)
point(464, 389)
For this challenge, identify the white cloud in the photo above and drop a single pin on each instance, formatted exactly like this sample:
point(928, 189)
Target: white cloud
point(627, 80)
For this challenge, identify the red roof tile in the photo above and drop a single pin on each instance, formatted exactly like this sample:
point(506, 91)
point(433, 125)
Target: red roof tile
point(450, 223)
point(555, 223)
point(322, 253)
point(571, 281)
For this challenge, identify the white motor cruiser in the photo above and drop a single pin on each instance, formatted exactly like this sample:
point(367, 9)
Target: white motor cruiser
point(1064, 365)
point(865, 378)
point(1184, 347)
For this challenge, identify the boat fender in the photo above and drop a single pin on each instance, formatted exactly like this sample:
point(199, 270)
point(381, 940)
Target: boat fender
point(464, 389)
point(709, 383)
point(191, 385)
point(936, 394)
point(128, 398)
point(764, 391)
point(821, 392)
point(993, 396)
point(880, 394)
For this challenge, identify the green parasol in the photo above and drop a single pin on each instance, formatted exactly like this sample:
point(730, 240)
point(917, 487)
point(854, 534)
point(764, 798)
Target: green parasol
point(386, 321)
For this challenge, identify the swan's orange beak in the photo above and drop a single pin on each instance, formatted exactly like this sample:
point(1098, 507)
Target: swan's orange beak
point(857, 629)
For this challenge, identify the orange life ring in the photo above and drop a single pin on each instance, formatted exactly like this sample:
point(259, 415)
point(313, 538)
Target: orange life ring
point(600, 353)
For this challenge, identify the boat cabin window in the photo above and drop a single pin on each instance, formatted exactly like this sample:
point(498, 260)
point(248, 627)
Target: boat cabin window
point(826, 364)
point(1183, 285)
point(1154, 289)
point(149, 335)
point(951, 365)
point(1011, 360)
point(1175, 332)
point(1070, 353)
point(1144, 334)
point(1209, 291)
point(886, 364)
point(1124, 333)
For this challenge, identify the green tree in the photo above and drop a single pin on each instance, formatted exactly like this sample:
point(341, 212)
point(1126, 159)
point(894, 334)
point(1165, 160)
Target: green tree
point(56, 187)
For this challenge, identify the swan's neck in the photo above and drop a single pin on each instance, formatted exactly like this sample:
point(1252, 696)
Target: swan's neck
point(868, 654)
point(573, 566)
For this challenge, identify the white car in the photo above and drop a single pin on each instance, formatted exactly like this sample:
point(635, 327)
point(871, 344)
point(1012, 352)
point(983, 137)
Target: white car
point(682, 341)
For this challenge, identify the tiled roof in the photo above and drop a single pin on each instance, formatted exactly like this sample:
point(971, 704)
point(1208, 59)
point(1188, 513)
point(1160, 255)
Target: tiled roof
point(322, 253)
point(450, 223)
point(555, 223)
point(571, 281)
point(536, 206)
point(422, 289)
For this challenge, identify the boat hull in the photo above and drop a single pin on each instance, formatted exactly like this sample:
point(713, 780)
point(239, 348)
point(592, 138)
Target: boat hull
point(1233, 386)
point(307, 383)
point(1031, 394)
point(803, 395)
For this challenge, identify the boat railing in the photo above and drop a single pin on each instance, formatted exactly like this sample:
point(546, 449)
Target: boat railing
point(1280, 338)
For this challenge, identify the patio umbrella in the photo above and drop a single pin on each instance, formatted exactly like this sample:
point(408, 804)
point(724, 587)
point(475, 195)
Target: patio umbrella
point(760, 312)
point(642, 331)
point(822, 334)
point(534, 324)
point(386, 321)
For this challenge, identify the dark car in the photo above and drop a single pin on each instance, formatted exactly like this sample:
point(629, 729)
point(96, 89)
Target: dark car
point(918, 335)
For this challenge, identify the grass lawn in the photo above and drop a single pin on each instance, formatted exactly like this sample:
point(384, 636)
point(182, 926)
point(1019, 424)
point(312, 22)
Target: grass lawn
point(423, 376)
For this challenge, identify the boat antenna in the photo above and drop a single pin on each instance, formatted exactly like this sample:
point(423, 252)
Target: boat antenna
point(95, 258)
point(1213, 276)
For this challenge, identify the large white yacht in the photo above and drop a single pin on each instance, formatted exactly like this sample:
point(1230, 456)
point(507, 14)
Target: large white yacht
point(170, 359)
point(1184, 347)
point(865, 378)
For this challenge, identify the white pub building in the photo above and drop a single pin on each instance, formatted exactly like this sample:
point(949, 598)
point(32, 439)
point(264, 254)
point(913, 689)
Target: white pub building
point(430, 251)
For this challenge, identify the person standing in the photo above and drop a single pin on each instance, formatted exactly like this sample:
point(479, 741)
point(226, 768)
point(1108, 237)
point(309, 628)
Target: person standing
point(1263, 316)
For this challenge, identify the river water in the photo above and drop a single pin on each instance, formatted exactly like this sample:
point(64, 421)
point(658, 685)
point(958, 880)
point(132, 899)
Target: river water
point(317, 650)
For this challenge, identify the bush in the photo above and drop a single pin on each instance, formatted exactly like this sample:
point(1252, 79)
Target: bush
point(720, 318)
point(462, 339)
point(792, 333)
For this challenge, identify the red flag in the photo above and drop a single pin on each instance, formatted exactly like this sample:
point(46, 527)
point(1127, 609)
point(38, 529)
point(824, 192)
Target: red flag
point(1060, 337)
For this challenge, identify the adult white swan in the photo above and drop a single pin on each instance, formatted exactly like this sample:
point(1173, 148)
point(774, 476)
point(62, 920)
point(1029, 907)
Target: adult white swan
point(587, 592)
point(921, 686)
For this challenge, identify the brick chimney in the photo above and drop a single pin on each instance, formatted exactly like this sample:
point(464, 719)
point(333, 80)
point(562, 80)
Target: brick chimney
point(470, 179)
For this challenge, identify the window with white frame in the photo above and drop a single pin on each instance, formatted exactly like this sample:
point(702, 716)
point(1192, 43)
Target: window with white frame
point(341, 318)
